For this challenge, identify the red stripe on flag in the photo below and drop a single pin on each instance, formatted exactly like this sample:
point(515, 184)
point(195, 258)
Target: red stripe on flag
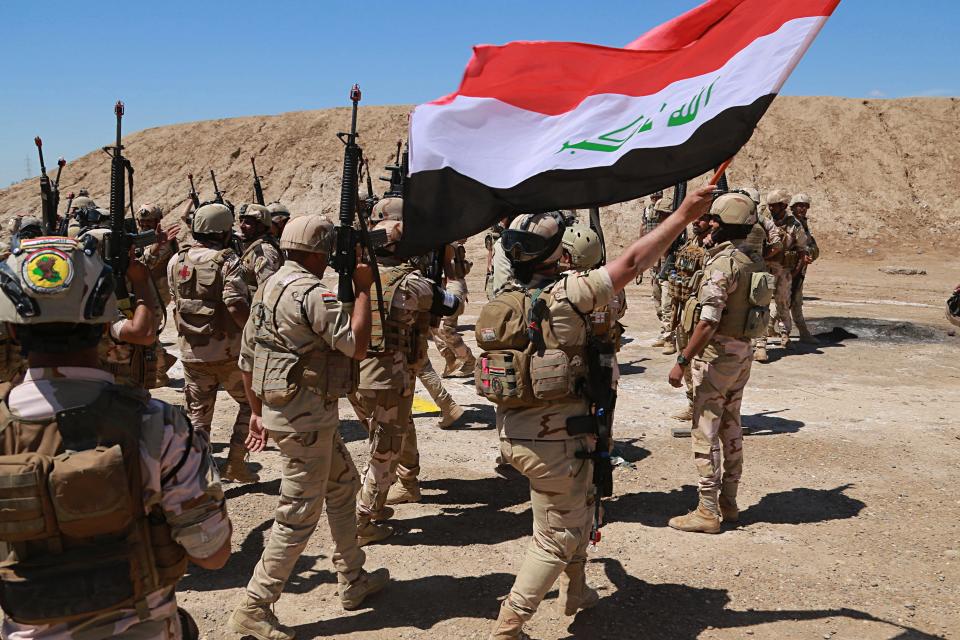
point(554, 77)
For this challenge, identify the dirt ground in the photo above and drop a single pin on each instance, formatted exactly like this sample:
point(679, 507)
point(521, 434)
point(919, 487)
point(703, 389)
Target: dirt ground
point(850, 527)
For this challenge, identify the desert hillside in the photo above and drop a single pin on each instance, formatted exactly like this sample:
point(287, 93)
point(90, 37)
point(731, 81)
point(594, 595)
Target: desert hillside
point(879, 171)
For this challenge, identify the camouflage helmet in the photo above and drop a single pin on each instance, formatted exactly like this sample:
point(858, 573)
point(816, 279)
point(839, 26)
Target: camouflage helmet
point(533, 238)
point(800, 198)
point(387, 209)
point(149, 212)
point(258, 212)
point(664, 206)
point(56, 279)
point(778, 196)
point(212, 218)
point(734, 208)
point(583, 245)
point(312, 233)
point(278, 210)
point(83, 202)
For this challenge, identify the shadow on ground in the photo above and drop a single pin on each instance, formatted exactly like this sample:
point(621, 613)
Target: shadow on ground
point(683, 612)
point(796, 506)
point(629, 368)
point(767, 424)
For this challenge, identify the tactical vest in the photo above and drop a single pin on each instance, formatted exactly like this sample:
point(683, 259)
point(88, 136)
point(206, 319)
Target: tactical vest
point(79, 542)
point(523, 363)
point(200, 312)
point(392, 335)
point(280, 371)
point(461, 266)
point(249, 259)
point(747, 311)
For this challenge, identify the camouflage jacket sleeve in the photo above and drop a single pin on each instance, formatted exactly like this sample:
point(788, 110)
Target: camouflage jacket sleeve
point(263, 263)
point(716, 288)
point(246, 344)
point(189, 494)
point(330, 319)
point(156, 255)
point(415, 293)
point(589, 290)
point(813, 249)
point(234, 288)
point(800, 237)
point(774, 238)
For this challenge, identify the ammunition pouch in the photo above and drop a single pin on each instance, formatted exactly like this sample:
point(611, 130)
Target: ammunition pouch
point(762, 286)
point(501, 377)
point(279, 375)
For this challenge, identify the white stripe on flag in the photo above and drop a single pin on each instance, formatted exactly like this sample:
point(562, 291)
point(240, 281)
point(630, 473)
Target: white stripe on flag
point(501, 145)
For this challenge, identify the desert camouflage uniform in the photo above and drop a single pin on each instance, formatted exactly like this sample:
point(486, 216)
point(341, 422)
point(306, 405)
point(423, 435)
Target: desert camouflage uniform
point(431, 381)
point(796, 297)
point(155, 257)
point(384, 399)
point(689, 261)
point(447, 335)
point(261, 258)
point(534, 440)
point(719, 375)
point(210, 361)
point(502, 270)
point(317, 468)
point(651, 219)
point(191, 499)
point(782, 265)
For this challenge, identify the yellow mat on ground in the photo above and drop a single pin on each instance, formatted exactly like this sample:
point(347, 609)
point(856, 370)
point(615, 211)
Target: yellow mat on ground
point(422, 405)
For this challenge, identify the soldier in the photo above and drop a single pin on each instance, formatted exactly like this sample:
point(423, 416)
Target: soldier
point(138, 486)
point(155, 257)
point(782, 265)
point(279, 216)
point(387, 378)
point(261, 254)
point(731, 306)
point(533, 424)
point(659, 281)
point(490, 242)
point(799, 207)
point(210, 308)
point(689, 262)
point(297, 325)
point(457, 355)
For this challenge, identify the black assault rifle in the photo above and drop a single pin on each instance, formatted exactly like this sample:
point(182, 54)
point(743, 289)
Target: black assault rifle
point(218, 195)
point(257, 187)
point(49, 192)
point(194, 196)
point(123, 234)
point(348, 236)
point(398, 172)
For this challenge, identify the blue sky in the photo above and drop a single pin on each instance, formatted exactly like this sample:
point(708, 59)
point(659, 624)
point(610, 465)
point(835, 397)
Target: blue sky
point(63, 64)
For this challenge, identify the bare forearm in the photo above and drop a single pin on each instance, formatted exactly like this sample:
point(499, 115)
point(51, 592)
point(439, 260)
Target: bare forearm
point(702, 334)
point(239, 311)
point(645, 252)
point(256, 406)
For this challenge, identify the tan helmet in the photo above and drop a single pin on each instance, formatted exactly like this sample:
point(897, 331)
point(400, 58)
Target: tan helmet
point(29, 221)
point(800, 198)
point(778, 196)
point(753, 193)
point(533, 238)
point(53, 279)
point(387, 209)
point(278, 210)
point(258, 212)
point(312, 233)
point(149, 212)
point(83, 202)
point(583, 245)
point(212, 218)
point(664, 206)
point(734, 208)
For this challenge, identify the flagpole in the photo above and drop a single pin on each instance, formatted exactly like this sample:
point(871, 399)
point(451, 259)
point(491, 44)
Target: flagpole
point(723, 167)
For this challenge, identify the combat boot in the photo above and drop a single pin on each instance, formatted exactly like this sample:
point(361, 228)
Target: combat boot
point(670, 349)
point(575, 594)
point(659, 342)
point(466, 369)
point(450, 367)
point(369, 531)
point(450, 417)
point(508, 626)
point(236, 468)
point(760, 355)
point(728, 508)
point(401, 493)
point(352, 594)
point(384, 514)
point(700, 520)
point(686, 415)
point(258, 620)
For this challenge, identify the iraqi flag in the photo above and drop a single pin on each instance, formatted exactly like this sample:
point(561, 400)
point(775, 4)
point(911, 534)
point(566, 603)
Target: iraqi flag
point(537, 126)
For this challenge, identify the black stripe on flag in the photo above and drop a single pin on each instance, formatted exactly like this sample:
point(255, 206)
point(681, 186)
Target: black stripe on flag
point(442, 205)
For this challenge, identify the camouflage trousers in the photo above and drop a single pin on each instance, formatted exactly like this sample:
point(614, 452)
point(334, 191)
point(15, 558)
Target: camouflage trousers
point(431, 382)
point(447, 336)
point(561, 496)
point(317, 471)
point(780, 321)
point(796, 304)
point(201, 380)
point(718, 384)
point(386, 415)
point(667, 315)
point(656, 293)
point(683, 339)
